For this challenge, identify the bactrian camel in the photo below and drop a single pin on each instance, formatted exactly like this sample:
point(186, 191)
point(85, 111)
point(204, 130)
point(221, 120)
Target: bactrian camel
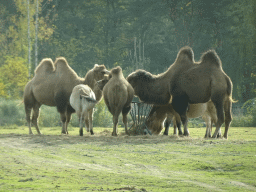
point(52, 85)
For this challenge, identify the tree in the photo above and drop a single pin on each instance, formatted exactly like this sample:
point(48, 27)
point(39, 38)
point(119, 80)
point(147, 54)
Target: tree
point(13, 77)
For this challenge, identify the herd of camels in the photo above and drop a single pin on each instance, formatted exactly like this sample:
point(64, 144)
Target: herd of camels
point(187, 89)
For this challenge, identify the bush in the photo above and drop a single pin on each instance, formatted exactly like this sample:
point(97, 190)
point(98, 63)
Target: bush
point(11, 112)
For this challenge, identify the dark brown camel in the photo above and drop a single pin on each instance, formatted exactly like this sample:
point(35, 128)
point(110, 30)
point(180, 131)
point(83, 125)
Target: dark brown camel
point(187, 82)
point(52, 85)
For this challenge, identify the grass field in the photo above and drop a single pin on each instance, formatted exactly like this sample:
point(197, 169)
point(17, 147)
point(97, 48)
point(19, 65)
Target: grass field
point(54, 162)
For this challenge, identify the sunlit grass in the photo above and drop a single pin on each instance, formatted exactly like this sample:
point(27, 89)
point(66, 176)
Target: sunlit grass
point(52, 161)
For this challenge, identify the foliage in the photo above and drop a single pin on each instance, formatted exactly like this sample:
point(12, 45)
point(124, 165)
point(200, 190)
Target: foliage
point(135, 34)
point(11, 113)
point(13, 75)
point(250, 106)
point(102, 117)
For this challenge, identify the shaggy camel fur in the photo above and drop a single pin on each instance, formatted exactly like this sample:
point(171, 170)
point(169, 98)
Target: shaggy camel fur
point(188, 82)
point(52, 85)
point(83, 100)
point(118, 95)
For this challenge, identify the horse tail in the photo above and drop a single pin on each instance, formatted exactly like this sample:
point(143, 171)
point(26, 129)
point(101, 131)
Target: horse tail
point(211, 57)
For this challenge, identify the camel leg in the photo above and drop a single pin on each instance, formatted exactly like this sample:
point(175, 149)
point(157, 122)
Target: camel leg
point(167, 126)
point(81, 121)
point(207, 120)
point(68, 116)
point(180, 105)
point(220, 117)
point(28, 111)
point(63, 118)
point(36, 112)
point(125, 111)
point(178, 124)
point(125, 123)
point(115, 121)
point(90, 121)
point(228, 116)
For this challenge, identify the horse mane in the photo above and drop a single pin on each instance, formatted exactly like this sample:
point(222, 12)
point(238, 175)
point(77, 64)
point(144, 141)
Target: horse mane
point(211, 57)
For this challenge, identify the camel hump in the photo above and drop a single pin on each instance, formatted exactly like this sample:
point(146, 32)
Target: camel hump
point(116, 71)
point(46, 65)
point(186, 52)
point(211, 57)
point(62, 66)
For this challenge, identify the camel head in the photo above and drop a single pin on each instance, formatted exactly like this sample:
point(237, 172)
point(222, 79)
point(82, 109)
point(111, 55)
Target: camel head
point(139, 79)
point(99, 71)
point(103, 82)
point(116, 71)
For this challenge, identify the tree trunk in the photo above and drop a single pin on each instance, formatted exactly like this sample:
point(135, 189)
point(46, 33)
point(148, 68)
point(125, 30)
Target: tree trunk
point(36, 31)
point(29, 56)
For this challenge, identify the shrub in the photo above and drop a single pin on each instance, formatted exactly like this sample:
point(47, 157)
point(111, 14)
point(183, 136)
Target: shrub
point(11, 112)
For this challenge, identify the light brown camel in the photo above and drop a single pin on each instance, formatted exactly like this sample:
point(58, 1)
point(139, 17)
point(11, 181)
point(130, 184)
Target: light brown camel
point(188, 82)
point(52, 85)
point(118, 95)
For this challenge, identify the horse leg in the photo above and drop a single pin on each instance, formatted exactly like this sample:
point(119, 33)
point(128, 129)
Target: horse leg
point(228, 116)
point(220, 116)
point(36, 112)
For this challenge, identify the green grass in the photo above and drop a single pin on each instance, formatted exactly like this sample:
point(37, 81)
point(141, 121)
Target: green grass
point(54, 162)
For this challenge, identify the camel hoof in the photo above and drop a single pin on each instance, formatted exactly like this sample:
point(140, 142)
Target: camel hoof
point(81, 133)
point(180, 133)
point(91, 132)
point(114, 134)
point(186, 134)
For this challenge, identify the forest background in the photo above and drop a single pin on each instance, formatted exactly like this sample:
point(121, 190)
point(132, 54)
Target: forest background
point(133, 34)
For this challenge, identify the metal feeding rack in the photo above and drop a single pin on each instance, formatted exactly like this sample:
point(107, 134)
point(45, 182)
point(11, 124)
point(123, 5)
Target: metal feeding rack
point(139, 113)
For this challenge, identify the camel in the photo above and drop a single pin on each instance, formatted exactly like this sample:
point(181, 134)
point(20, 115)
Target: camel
point(52, 85)
point(83, 100)
point(188, 82)
point(206, 110)
point(118, 95)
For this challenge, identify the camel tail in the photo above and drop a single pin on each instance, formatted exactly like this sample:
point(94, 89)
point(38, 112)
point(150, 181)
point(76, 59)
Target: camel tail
point(230, 89)
point(211, 57)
